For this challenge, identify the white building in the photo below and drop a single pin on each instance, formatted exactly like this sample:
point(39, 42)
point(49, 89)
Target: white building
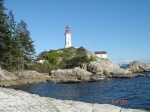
point(67, 37)
point(101, 54)
point(41, 61)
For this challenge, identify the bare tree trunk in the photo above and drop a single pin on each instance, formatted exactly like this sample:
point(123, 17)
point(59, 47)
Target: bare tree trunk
point(10, 60)
point(22, 65)
point(22, 61)
point(10, 55)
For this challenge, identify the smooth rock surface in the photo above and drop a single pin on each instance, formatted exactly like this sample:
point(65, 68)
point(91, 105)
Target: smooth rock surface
point(138, 66)
point(19, 101)
point(123, 73)
point(93, 71)
point(29, 74)
point(4, 75)
point(22, 77)
point(95, 67)
point(107, 64)
point(71, 75)
point(100, 66)
point(75, 71)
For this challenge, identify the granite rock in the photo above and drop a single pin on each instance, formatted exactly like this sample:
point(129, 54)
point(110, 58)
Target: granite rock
point(138, 66)
point(19, 101)
point(5, 75)
point(123, 73)
point(29, 74)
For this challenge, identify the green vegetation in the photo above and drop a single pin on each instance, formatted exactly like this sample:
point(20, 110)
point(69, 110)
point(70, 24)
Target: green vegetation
point(45, 67)
point(64, 58)
point(16, 46)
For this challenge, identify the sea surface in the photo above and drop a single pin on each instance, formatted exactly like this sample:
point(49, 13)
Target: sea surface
point(127, 93)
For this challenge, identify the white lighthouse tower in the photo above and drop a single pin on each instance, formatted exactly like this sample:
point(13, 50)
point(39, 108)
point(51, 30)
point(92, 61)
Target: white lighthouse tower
point(67, 37)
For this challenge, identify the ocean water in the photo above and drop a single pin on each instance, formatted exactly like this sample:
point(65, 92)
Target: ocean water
point(127, 93)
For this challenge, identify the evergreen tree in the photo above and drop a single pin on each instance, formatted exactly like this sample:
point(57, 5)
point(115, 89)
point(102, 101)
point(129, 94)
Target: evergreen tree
point(14, 49)
point(12, 23)
point(5, 37)
point(25, 43)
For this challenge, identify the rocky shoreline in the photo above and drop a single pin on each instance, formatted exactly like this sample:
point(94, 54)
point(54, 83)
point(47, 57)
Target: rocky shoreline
point(93, 71)
point(19, 101)
point(21, 77)
point(97, 70)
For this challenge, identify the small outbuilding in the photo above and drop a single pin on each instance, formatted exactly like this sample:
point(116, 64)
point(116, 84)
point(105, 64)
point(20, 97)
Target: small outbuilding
point(101, 54)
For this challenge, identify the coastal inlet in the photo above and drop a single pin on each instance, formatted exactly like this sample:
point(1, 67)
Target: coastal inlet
point(134, 92)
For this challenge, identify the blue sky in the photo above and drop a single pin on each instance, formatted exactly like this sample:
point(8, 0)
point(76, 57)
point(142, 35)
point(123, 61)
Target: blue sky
point(120, 27)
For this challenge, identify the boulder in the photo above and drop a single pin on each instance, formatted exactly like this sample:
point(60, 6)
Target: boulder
point(5, 75)
point(123, 73)
point(29, 74)
point(74, 75)
point(95, 67)
point(22, 77)
point(107, 64)
point(70, 75)
point(84, 66)
point(138, 66)
point(107, 74)
point(100, 66)
point(65, 72)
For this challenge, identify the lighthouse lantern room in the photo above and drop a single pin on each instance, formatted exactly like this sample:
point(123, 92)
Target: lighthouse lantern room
point(67, 37)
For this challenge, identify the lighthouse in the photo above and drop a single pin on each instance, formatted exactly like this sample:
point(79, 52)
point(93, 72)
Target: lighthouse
point(67, 37)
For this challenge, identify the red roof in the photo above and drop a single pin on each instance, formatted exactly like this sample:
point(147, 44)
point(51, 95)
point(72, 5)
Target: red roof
point(67, 31)
point(100, 52)
point(67, 27)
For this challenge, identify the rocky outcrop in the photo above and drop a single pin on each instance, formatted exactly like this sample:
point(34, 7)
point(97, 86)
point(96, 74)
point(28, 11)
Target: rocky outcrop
point(93, 71)
point(70, 75)
point(75, 71)
point(29, 74)
point(19, 101)
point(99, 65)
point(4, 75)
point(95, 67)
point(123, 73)
point(107, 64)
point(138, 66)
point(74, 75)
point(22, 77)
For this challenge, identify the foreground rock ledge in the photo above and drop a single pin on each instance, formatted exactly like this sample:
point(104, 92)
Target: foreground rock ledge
point(19, 101)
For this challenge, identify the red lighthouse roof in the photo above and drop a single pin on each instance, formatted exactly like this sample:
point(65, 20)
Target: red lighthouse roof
point(100, 52)
point(67, 27)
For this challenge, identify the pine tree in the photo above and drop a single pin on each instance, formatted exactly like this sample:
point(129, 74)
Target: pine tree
point(25, 43)
point(14, 48)
point(5, 37)
point(12, 23)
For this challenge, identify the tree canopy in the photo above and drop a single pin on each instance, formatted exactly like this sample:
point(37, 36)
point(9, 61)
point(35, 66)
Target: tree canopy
point(16, 45)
